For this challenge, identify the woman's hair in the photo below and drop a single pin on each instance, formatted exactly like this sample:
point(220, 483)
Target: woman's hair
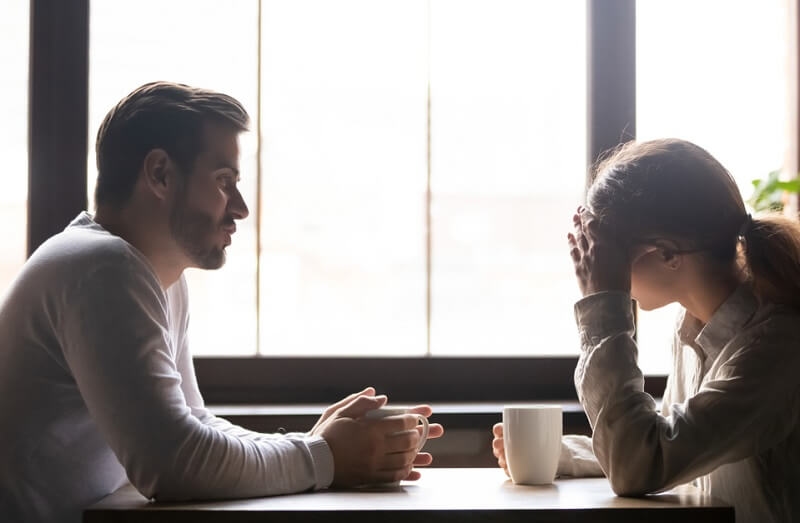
point(674, 189)
point(157, 115)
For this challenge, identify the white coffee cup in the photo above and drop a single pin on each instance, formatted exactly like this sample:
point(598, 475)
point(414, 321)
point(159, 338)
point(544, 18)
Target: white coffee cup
point(532, 439)
point(385, 412)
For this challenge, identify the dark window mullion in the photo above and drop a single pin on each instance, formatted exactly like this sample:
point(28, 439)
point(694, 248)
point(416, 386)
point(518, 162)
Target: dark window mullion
point(57, 116)
point(611, 79)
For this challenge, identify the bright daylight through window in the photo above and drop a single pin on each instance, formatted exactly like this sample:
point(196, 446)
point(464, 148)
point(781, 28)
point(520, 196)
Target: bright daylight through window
point(722, 85)
point(13, 138)
point(420, 159)
point(213, 46)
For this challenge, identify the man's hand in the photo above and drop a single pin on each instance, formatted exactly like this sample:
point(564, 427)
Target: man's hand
point(434, 431)
point(367, 451)
point(330, 411)
point(601, 264)
point(499, 448)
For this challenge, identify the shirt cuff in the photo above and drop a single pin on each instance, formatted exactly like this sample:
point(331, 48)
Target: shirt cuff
point(322, 461)
point(603, 314)
point(577, 458)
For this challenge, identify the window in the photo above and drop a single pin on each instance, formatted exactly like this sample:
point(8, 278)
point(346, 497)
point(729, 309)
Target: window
point(450, 89)
point(419, 164)
point(414, 164)
point(13, 138)
point(344, 177)
point(508, 121)
point(723, 85)
point(203, 43)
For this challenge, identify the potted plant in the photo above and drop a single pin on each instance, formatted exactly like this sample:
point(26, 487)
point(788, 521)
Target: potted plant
point(771, 193)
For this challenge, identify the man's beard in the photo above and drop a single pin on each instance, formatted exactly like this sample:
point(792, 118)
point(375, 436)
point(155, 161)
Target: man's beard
point(191, 229)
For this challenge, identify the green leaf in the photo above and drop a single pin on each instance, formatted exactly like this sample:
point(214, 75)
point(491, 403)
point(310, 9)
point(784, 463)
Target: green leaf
point(792, 186)
point(769, 192)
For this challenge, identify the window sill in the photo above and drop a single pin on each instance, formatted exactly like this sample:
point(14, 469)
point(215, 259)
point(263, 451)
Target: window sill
point(436, 380)
point(439, 409)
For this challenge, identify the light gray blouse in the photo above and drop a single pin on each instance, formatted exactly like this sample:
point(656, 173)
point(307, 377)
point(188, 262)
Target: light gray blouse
point(729, 419)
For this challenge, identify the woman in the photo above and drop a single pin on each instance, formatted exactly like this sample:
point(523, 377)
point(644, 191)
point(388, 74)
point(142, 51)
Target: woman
point(664, 222)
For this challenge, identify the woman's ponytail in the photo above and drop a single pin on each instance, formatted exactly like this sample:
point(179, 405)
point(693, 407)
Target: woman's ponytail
point(771, 246)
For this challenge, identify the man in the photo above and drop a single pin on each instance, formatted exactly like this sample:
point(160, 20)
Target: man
point(96, 378)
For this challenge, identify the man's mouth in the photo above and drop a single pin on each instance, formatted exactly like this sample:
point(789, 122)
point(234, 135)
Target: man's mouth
point(229, 231)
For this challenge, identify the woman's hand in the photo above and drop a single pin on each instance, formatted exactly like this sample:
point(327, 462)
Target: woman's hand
point(601, 263)
point(499, 448)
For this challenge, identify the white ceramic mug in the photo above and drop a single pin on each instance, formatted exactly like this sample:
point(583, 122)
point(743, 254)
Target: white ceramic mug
point(385, 412)
point(532, 439)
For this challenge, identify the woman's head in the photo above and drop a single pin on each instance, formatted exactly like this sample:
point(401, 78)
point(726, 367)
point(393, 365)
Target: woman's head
point(673, 195)
point(668, 189)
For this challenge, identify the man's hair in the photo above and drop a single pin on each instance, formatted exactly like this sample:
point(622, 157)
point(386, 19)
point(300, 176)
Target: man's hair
point(157, 115)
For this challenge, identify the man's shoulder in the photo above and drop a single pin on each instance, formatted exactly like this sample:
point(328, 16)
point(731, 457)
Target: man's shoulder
point(75, 264)
point(78, 255)
point(85, 249)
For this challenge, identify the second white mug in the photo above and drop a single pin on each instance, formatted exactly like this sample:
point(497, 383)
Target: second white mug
point(532, 439)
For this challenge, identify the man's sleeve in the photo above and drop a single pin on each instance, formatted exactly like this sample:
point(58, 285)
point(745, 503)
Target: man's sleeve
point(116, 342)
point(321, 454)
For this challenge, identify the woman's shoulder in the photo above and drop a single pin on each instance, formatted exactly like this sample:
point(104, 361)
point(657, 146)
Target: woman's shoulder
point(773, 332)
point(772, 317)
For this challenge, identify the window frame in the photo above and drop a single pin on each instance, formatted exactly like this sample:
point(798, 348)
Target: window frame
point(313, 380)
point(58, 139)
point(58, 116)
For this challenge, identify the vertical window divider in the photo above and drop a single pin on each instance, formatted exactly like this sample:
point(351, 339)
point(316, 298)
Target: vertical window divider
point(610, 82)
point(428, 221)
point(792, 160)
point(611, 78)
point(58, 113)
point(258, 180)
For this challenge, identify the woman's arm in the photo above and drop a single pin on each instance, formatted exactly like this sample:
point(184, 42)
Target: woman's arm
point(749, 406)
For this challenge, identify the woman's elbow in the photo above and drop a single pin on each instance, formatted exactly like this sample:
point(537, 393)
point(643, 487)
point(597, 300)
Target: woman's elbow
point(628, 485)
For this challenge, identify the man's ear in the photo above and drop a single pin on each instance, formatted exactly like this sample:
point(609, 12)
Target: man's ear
point(156, 170)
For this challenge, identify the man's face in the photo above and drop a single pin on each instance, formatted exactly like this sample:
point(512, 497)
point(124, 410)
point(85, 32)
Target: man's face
point(207, 204)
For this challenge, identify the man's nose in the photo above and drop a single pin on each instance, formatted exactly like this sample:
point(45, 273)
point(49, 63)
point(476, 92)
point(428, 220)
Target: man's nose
point(237, 206)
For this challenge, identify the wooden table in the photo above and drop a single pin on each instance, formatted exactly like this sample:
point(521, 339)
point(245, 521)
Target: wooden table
point(479, 494)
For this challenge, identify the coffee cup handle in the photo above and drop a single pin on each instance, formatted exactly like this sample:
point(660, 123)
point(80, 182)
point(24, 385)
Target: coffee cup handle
point(425, 427)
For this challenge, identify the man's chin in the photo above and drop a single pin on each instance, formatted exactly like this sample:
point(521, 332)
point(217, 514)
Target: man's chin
point(211, 261)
